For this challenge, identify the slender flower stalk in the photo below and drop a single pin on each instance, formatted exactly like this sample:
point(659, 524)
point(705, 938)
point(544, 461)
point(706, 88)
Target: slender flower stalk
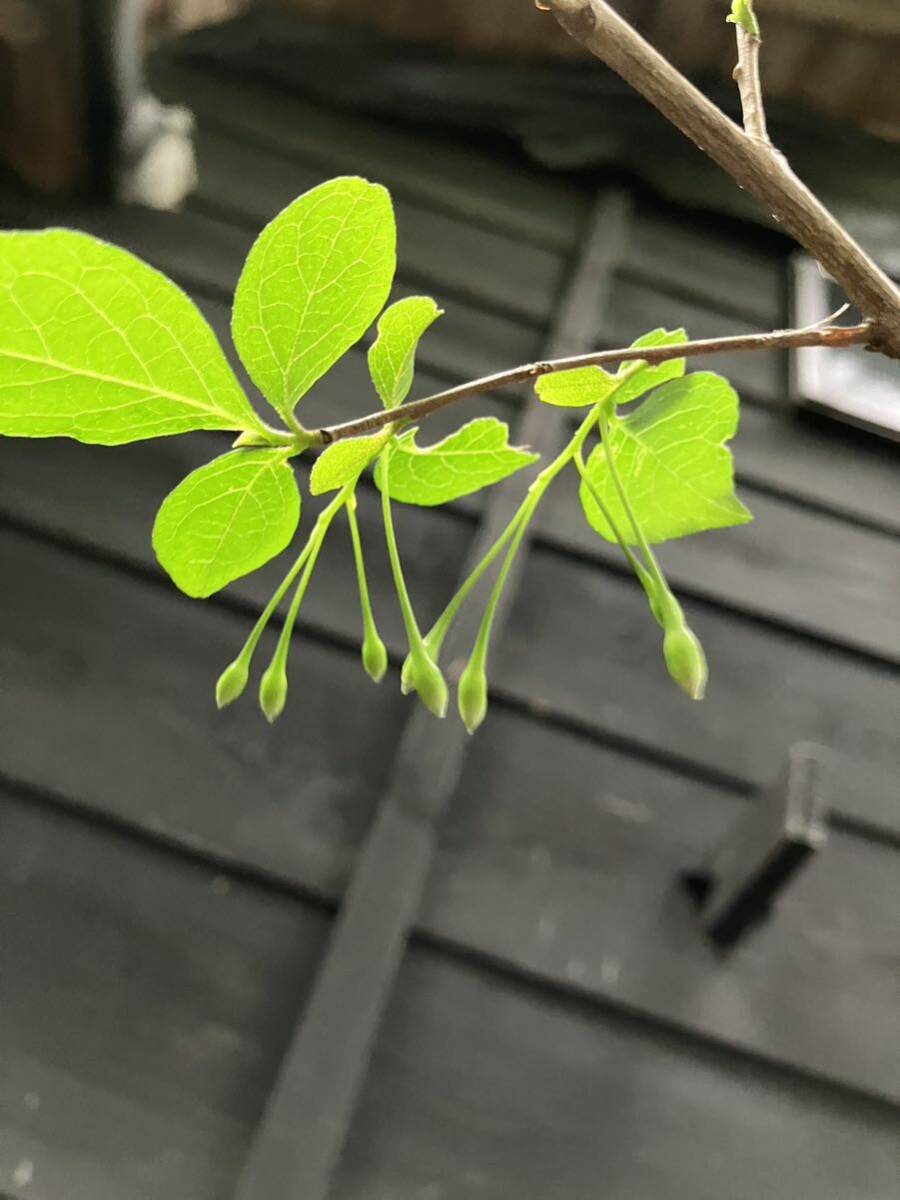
point(273, 685)
point(374, 653)
point(424, 676)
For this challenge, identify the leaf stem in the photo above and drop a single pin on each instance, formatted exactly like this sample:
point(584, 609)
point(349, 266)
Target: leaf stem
point(413, 633)
point(644, 576)
point(373, 650)
point(515, 530)
point(249, 647)
point(664, 597)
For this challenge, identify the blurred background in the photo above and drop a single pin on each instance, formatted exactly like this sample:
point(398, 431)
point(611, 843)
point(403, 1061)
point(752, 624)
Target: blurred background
point(360, 955)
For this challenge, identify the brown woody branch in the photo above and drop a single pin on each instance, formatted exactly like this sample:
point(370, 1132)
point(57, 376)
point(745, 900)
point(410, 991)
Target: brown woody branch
point(746, 76)
point(750, 161)
point(830, 336)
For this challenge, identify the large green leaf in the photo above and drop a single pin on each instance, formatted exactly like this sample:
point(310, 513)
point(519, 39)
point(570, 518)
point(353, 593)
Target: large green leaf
point(393, 354)
point(672, 460)
point(473, 457)
point(344, 460)
point(98, 346)
point(226, 519)
point(314, 281)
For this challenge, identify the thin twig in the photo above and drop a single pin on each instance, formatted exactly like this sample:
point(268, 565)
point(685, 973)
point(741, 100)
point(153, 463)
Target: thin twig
point(833, 336)
point(746, 76)
point(754, 165)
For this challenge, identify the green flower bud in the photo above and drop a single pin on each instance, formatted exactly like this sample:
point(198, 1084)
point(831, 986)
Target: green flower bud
point(406, 676)
point(231, 682)
point(273, 690)
point(471, 695)
point(374, 656)
point(426, 678)
point(685, 659)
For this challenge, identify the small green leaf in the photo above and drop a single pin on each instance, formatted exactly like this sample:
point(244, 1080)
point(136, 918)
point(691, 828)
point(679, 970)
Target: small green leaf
point(344, 460)
point(742, 14)
point(226, 519)
point(673, 462)
point(314, 281)
point(636, 383)
point(96, 345)
point(393, 354)
point(474, 457)
point(580, 388)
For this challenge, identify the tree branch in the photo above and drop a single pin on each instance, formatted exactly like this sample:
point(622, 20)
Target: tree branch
point(833, 336)
point(753, 164)
point(746, 76)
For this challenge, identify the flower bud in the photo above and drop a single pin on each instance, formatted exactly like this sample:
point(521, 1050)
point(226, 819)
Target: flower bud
point(406, 676)
point(273, 690)
point(471, 695)
point(685, 659)
point(426, 678)
point(231, 682)
point(374, 656)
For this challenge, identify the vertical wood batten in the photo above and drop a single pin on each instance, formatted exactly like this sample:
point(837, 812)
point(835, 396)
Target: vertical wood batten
point(307, 1118)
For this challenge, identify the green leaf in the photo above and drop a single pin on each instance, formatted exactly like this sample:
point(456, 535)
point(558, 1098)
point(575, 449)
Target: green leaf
point(579, 388)
point(393, 354)
point(226, 519)
point(344, 460)
point(314, 281)
point(742, 14)
point(636, 383)
point(586, 386)
point(673, 463)
point(473, 457)
point(96, 345)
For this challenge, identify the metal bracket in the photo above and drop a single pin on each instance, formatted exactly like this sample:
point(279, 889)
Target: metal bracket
point(737, 884)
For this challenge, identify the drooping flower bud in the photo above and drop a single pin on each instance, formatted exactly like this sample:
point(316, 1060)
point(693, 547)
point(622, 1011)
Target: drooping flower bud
point(471, 695)
point(231, 683)
point(273, 690)
point(406, 676)
point(685, 660)
point(374, 655)
point(426, 678)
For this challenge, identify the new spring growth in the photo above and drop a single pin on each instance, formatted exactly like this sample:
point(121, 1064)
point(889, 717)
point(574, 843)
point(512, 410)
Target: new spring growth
point(682, 650)
point(231, 683)
point(742, 14)
point(425, 677)
point(273, 688)
point(471, 694)
point(374, 654)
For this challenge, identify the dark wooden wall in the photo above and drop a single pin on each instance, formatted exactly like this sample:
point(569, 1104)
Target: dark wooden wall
point(246, 961)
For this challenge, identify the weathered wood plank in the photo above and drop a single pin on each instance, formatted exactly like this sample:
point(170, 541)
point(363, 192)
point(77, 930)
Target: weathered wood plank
point(116, 677)
point(798, 568)
point(459, 180)
point(582, 646)
point(689, 257)
point(289, 804)
point(562, 858)
point(482, 1088)
point(250, 185)
point(639, 306)
point(731, 270)
point(144, 1004)
point(822, 462)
